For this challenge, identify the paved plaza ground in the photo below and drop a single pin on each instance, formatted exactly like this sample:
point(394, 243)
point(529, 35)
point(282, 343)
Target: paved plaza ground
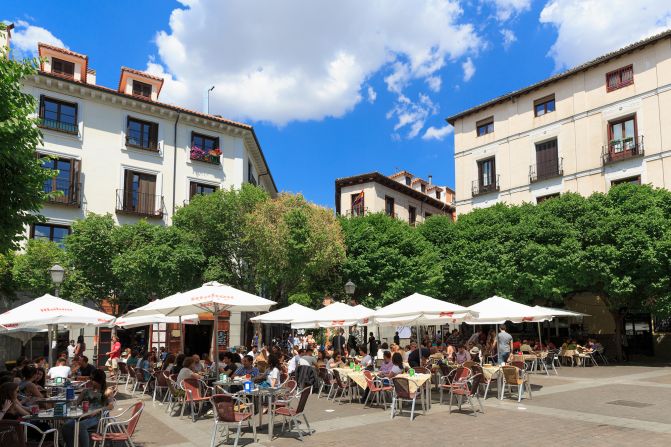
point(596, 406)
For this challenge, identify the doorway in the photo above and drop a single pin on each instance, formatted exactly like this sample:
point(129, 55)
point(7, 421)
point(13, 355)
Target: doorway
point(198, 338)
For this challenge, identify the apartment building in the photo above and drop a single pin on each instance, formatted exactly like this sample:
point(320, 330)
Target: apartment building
point(122, 151)
point(596, 125)
point(401, 195)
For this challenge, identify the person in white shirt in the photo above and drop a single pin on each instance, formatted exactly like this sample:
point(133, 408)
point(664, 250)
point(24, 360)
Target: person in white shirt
point(197, 365)
point(254, 352)
point(293, 363)
point(60, 370)
point(366, 360)
point(273, 377)
point(71, 352)
point(187, 371)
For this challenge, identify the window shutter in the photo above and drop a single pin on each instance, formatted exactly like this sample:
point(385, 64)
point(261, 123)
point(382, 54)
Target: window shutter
point(193, 134)
point(493, 172)
point(41, 106)
point(192, 190)
point(75, 191)
point(216, 143)
point(153, 138)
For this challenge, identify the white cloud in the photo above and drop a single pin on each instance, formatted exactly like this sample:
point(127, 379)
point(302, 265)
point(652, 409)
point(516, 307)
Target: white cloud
point(304, 60)
point(25, 38)
point(589, 28)
point(509, 37)
point(505, 9)
point(434, 83)
point(411, 115)
point(372, 94)
point(469, 69)
point(437, 133)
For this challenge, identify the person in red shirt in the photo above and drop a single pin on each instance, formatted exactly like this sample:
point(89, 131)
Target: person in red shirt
point(113, 360)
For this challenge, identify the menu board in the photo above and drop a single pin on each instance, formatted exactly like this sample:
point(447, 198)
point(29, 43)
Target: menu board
point(222, 338)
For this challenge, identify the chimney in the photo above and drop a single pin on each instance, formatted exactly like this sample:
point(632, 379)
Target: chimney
point(430, 179)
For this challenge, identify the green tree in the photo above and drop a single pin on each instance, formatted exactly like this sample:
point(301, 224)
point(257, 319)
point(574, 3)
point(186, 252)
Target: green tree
point(297, 247)
point(23, 177)
point(31, 268)
point(7, 285)
point(218, 221)
point(387, 259)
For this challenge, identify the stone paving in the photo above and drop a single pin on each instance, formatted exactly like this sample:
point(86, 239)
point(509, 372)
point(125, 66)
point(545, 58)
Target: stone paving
point(596, 406)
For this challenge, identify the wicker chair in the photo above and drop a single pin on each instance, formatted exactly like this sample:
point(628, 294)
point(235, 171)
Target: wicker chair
point(514, 376)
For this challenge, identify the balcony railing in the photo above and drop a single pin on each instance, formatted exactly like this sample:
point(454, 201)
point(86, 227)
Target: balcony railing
point(478, 189)
point(63, 192)
point(211, 157)
point(59, 126)
point(623, 149)
point(135, 143)
point(142, 204)
point(356, 211)
point(546, 170)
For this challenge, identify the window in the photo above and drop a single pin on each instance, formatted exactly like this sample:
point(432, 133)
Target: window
point(422, 187)
point(142, 134)
point(58, 115)
point(408, 181)
point(619, 78)
point(205, 148)
point(250, 174)
point(485, 126)
point(438, 194)
point(541, 199)
point(486, 172)
point(61, 67)
point(389, 206)
point(544, 105)
point(66, 181)
point(622, 135)
point(635, 180)
point(50, 232)
point(139, 195)
point(141, 89)
point(412, 215)
point(547, 161)
point(358, 204)
point(201, 188)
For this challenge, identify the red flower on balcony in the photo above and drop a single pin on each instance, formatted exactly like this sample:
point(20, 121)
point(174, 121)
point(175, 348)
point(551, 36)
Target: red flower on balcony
point(211, 156)
point(215, 152)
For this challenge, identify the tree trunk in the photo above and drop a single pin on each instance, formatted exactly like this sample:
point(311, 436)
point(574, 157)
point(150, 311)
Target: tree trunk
point(618, 318)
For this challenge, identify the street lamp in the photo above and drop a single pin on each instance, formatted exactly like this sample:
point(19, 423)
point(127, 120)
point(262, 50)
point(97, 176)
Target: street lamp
point(349, 288)
point(208, 99)
point(57, 274)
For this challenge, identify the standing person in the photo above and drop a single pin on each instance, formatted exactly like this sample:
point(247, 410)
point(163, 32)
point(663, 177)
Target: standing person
point(352, 344)
point(372, 345)
point(397, 339)
point(504, 345)
point(114, 355)
point(71, 352)
point(255, 339)
point(338, 342)
point(80, 347)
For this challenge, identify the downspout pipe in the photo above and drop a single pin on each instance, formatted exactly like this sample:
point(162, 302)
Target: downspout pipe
point(174, 164)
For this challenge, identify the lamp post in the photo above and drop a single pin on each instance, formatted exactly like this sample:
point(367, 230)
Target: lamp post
point(350, 287)
point(208, 99)
point(57, 275)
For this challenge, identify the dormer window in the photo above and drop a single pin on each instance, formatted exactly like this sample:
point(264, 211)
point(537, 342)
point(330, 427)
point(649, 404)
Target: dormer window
point(141, 89)
point(63, 68)
point(408, 180)
point(422, 187)
point(437, 194)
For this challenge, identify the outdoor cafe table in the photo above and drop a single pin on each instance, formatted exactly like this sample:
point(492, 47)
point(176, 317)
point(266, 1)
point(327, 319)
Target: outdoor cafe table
point(355, 376)
point(71, 414)
point(491, 372)
point(417, 381)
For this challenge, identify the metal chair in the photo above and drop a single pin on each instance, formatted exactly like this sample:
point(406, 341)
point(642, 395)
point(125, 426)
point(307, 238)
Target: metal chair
point(514, 376)
point(225, 413)
point(160, 384)
point(175, 395)
point(344, 386)
point(292, 414)
point(15, 434)
point(468, 389)
point(401, 394)
point(327, 380)
point(454, 379)
point(376, 388)
point(195, 396)
point(119, 431)
point(141, 380)
point(123, 374)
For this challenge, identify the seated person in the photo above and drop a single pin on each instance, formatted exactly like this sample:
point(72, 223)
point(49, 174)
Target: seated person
point(475, 354)
point(10, 407)
point(197, 365)
point(247, 368)
point(418, 357)
point(85, 368)
point(435, 354)
point(60, 370)
point(395, 368)
point(273, 376)
point(99, 396)
point(516, 346)
point(27, 386)
point(366, 360)
point(387, 365)
point(187, 371)
point(462, 355)
point(335, 362)
point(525, 347)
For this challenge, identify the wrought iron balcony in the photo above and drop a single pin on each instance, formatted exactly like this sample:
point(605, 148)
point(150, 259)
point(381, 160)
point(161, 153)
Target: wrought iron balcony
point(546, 170)
point(356, 211)
point(141, 204)
point(59, 126)
point(478, 189)
point(63, 192)
point(622, 149)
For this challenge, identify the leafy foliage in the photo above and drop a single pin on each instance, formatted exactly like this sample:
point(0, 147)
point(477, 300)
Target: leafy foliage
point(31, 268)
point(21, 171)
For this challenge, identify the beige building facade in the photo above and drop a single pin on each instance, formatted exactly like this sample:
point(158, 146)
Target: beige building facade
point(401, 195)
point(604, 122)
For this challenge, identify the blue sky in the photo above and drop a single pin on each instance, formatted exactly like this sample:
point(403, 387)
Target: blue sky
point(339, 88)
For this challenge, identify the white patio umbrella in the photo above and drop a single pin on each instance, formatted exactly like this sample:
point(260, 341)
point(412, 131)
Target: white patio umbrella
point(212, 297)
point(557, 313)
point(50, 311)
point(127, 322)
point(285, 315)
point(421, 309)
point(497, 310)
point(335, 315)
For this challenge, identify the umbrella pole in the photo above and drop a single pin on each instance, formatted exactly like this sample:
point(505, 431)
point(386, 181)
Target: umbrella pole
point(540, 339)
point(181, 339)
point(50, 328)
point(216, 340)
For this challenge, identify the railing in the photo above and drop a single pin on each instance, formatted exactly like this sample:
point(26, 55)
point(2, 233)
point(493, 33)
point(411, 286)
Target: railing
point(622, 149)
point(70, 192)
point(205, 156)
point(546, 170)
point(477, 189)
point(142, 204)
point(59, 126)
point(133, 142)
point(356, 211)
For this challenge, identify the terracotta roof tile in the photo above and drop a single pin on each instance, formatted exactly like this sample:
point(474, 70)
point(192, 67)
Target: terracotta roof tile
point(61, 50)
point(400, 173)
point(142, 73)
